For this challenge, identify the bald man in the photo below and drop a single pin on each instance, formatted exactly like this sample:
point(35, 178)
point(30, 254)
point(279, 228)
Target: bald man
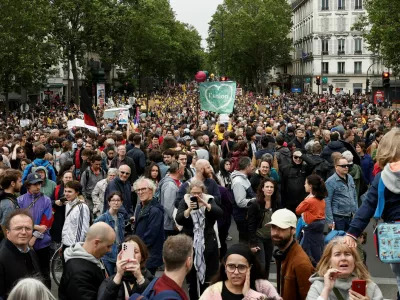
point(204, 172)
point(83, 271)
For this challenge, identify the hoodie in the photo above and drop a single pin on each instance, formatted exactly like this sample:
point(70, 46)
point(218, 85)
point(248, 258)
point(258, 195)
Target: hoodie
point(243, 194)
point(82, 276)
point(343, 286)
point(48, 185)
point(40, 162)
point(77, 251)
point(168, 192)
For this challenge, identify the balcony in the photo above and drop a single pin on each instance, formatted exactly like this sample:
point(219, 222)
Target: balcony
point(358, 52)
point(358, 7)
point(341, 8)
point(357, 72)
point(325, 8)
point(325, 52)
point(340, 52)
point(341, 72)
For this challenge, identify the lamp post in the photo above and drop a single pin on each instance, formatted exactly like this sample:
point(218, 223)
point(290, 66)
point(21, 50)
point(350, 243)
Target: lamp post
point(322, 37)
point(366, 87)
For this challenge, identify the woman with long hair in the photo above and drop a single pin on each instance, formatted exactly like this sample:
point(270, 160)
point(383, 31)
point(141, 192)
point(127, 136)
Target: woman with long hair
point(258, 215)
point(131, 277)
point(388, 159)
point(312, 210)
point(338, 267)
point(59, 203)
point(153, 172)
point(214, 151)
point(224, 174)
point(240, 276)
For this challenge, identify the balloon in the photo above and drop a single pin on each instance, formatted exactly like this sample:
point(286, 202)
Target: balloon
point(200, 76)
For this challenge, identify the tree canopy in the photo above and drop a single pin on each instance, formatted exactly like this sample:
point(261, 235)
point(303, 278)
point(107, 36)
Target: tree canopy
point(380, 28)
point(248, 37)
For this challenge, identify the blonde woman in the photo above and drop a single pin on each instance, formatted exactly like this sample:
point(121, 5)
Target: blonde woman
point(336, 270)
point(388, 159)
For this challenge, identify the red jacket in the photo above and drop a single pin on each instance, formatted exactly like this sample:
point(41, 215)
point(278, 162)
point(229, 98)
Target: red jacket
point(166, 283)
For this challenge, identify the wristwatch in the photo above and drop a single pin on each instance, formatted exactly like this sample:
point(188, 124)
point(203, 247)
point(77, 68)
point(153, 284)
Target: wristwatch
point(37, 234)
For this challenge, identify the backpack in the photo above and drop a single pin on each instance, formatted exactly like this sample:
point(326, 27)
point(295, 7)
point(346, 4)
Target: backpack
point(149, 292)
point(34, 167)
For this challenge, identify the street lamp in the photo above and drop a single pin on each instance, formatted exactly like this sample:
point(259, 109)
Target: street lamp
point(322, 37)
point(222, 46)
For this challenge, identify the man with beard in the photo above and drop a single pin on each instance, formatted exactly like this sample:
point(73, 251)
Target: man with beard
point(204, 174)
point(293, 267)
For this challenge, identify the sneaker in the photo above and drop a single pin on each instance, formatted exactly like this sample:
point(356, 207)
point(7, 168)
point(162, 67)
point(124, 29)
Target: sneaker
point(229, 238)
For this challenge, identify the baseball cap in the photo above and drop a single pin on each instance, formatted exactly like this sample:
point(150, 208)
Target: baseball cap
point(34, 178)
point(283, 218)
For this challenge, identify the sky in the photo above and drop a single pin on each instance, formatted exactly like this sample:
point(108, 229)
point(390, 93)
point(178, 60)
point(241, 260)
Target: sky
point(196, 13)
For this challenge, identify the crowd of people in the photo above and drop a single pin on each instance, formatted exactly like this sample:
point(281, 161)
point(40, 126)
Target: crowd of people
point(285, 169)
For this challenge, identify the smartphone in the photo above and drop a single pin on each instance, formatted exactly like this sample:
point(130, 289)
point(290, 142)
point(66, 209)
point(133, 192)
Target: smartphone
point(359, 286)
point(128, 253)
point(194, 199)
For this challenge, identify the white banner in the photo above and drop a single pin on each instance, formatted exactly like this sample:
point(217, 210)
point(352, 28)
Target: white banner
point(80, 123)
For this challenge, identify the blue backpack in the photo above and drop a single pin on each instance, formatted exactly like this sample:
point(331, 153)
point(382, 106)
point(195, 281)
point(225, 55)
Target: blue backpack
point(149, 292)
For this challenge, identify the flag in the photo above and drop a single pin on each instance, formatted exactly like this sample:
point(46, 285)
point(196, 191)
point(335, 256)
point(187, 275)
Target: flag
point(136, 120)
point(86, 107)
point(218, 96)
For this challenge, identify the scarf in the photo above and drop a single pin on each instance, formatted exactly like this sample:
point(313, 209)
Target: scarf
point(199, 223)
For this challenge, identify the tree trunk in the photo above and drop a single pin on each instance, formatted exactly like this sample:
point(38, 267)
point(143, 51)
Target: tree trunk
point(76, 79)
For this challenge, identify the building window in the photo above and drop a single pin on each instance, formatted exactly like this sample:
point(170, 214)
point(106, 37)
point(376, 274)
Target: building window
point(341, 45)
point(357, 67)
point(325, 47)
point(358, 46)
point(341, 4)
point(325, 68)
point(358, 4)
point(325, 4)
point(340, 67)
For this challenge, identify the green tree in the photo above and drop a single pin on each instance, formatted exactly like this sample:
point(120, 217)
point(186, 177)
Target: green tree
point(84, 26)
point(249, 37)
point(380, 28)
point(26, 50)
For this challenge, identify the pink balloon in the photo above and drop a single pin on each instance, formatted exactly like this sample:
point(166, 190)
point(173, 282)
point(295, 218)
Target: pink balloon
point(200, 76)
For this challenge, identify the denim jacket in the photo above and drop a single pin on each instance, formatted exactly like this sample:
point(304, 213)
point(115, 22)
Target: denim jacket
point(341, 199)
point(107, 218)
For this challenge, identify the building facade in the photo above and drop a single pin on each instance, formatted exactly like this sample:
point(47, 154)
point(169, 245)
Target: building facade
point(325, 45)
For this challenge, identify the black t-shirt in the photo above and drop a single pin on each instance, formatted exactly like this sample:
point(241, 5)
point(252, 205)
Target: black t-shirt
point(227, 295)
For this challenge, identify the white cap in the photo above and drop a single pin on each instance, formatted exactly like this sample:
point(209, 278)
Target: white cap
point(283, 218)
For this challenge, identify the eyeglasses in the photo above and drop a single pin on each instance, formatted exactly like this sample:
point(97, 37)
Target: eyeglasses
point(124, 173)
point(115, 200)
point(141, 190)
point(344, 166)
point(297, 157)
point(21, 228)
point(231, 268)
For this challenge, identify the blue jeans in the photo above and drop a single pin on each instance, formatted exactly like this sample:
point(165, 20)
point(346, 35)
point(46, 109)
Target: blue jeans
point(342, 222)
point(110, 267)
point(396, 270)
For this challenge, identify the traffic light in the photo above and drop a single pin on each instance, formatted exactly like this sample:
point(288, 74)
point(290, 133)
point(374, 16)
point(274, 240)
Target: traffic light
point(367, 86)
point(318, 80)
point(386, 79)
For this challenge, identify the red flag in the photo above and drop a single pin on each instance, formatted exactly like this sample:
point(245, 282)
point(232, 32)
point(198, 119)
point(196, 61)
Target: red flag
point(86, 107)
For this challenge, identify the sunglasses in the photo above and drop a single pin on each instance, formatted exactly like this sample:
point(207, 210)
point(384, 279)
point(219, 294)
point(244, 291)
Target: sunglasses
point(344, 166)
point(297, 157)
point(124, 173)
